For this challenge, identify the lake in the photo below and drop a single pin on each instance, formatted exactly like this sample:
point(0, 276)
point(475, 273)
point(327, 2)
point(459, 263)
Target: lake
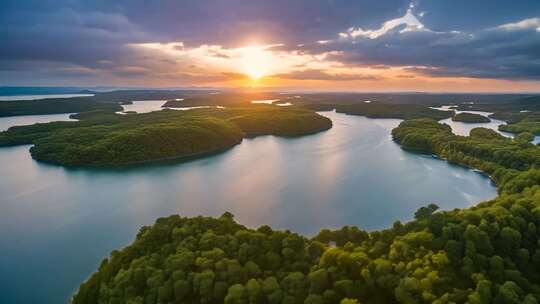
point(463, 128)
point(146, 106)
point(7, 122)
point(57, 224)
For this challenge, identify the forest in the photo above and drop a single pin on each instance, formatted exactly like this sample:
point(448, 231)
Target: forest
point(488, 253)
point(102, 138)
point(526, 125)
point(470, 118)
point(399, 111)
point(54, 106)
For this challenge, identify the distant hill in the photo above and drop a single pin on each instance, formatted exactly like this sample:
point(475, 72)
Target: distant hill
point(14, 91)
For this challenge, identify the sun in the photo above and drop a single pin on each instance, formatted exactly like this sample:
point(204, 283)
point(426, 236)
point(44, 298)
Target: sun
point(255, 62)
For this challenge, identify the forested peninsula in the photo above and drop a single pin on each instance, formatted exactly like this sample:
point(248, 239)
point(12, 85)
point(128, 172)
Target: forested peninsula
point(530, 126)
point(103, 138)
point(399, 111)
point(489, 253)
point(54, 106)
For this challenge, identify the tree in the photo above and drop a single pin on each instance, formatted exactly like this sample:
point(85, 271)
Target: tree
point(318, 281)
point(524, 137)
point(236, 295)
point(425, 212)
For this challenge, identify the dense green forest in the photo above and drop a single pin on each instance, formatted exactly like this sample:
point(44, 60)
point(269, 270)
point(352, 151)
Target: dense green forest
point(383, 110)
point(54, 106)
point(522, 126)
point(515, 117)
point(489, 253)
point(401, 111)
point(470, 118)
point(518, 122)
point(104, 138)
point(504, 159)
point(504, 103)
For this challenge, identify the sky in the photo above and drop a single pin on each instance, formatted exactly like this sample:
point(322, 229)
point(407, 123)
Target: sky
point(312, 45)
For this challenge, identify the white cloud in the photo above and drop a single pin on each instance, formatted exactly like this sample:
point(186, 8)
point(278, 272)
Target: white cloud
point(254, 60)
point(523, 24)
point(410, 21)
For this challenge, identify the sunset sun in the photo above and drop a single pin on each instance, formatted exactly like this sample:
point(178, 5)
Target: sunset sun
point(255, 62)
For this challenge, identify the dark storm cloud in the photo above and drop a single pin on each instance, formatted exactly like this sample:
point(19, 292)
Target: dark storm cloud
point(66, 35)
point(500, 52)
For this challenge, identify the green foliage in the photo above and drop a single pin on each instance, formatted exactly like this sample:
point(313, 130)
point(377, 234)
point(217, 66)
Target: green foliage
point(425, 212)
point(103, 138)
point(509, 163)
point(484, 133)
point(101, 145)
point(524, 137)
point(470, 118)
point(522, 126)
point(400, 111)
point(275, 120)
point(55, 106)
point(484, 254)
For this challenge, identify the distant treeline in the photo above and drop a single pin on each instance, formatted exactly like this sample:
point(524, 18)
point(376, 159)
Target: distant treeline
point(54, 106)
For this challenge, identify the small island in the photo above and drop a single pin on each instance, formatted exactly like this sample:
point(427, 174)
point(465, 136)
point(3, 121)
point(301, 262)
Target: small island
point(107, 139)
point(470, 118)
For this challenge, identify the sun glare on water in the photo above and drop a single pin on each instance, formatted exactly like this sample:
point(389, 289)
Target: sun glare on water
point(255, 62)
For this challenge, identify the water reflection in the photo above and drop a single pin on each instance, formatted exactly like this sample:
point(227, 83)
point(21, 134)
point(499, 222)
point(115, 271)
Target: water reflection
point(143, 106)
point(264, 101)
point(7, 122)
point(146, 106)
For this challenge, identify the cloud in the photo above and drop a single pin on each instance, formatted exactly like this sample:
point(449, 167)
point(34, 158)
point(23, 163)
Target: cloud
point(323, 75)
point(531, 23)
point(508, 51)
point(407, 23)
point(188, 41)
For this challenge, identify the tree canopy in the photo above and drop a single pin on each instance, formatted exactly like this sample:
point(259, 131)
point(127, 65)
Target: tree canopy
point(470, 118)
point(104, 138)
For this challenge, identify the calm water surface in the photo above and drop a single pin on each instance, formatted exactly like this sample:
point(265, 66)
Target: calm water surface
point(57, 224)
point(146, 106)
